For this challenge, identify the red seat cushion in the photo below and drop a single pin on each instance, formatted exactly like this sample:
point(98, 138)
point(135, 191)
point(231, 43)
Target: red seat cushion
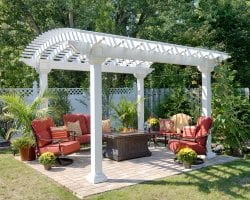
point(176, 145)
point(66, 148)
point(70, 147)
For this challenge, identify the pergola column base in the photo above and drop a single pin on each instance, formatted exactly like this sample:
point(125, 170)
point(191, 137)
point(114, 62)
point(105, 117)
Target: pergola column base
point(96, 178)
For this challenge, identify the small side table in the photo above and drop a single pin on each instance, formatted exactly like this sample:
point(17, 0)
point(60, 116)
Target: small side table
point(153, 136)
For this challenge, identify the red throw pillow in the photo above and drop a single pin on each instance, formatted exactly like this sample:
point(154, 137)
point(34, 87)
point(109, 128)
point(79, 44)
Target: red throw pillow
point(59, 135)
point(166, 125)
point(58, 128)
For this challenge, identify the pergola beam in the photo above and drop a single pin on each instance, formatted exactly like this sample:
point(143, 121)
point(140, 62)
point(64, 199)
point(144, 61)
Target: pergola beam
point(74, 66)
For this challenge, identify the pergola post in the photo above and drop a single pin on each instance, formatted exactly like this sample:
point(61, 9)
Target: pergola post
point(43, 80)
point(43, 83)
point(96, 174)
point(206, 102)
point(140, 100)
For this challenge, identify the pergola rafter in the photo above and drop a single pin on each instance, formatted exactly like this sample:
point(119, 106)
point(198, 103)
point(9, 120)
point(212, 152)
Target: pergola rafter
point(64, 44)
point(74, 49)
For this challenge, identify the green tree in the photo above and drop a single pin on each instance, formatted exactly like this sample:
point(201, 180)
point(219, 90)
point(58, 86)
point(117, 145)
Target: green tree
point(216, 24)
point(231, 110)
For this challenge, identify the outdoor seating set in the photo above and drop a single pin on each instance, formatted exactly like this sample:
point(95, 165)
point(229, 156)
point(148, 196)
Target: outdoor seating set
point(66, 139)
point(178, 134)
point(62, 140)
point(76, 130)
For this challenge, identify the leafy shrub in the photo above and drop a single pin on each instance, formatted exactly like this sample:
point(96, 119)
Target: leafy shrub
point(126, 112)
point(231, 110)
point(6, 132)
point(22, 142)
point(22, 113)
point(179, 100)
point(59, 105)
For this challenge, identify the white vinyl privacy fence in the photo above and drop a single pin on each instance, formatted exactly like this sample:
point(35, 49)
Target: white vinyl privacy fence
point(80, 101)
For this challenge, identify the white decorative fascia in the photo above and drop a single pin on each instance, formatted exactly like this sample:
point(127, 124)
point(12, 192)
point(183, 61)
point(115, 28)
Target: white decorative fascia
point(204, 69)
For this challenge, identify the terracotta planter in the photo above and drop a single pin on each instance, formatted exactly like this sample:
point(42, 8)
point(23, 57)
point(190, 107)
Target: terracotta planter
point(27, 154)
point(47, 167)
point(187, 165)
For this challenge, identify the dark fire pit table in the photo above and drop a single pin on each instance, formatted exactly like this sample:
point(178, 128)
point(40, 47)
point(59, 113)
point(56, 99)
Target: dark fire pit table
point(124, 146)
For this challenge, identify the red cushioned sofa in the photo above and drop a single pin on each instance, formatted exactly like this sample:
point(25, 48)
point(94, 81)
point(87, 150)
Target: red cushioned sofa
point(84, 121)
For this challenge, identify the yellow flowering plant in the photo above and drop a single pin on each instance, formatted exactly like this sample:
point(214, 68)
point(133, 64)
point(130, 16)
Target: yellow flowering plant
point(187, 155)
point(47, 158)
point(152, 121)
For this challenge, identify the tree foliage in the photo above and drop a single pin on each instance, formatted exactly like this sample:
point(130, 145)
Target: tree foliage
point(216, 24)
point(231, 110)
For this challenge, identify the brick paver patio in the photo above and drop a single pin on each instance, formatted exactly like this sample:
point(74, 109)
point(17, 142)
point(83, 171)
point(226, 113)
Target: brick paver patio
point(120, 174)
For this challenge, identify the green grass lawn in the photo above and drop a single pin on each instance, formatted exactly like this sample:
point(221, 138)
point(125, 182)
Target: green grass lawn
point(228, 181)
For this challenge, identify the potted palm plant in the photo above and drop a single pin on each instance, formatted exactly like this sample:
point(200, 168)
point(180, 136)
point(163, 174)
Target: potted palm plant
point(47, 159)
point(25, 145)
point(16, 109)
point(126, 111)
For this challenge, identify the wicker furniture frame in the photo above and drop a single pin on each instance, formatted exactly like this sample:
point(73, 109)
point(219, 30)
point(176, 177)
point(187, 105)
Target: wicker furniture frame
point(124, 146)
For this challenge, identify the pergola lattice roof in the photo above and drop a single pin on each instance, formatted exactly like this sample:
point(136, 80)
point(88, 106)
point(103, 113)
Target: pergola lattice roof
point(62, 48)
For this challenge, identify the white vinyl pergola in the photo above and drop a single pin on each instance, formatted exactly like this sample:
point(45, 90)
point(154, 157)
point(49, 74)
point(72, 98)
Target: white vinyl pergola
point(74, 49)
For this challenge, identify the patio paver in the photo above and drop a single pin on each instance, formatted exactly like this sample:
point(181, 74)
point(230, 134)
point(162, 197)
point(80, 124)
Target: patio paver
point(120, 174)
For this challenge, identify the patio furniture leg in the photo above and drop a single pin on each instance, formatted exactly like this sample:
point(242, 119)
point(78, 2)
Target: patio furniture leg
point(64, 161)
point(165, 140)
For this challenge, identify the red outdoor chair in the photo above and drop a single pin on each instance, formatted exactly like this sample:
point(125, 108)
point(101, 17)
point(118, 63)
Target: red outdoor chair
point(173, 127)
point(82, 135)
point(53, 139)
point(194, 137)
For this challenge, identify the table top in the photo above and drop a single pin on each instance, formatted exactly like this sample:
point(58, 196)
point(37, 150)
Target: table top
point(130, 134)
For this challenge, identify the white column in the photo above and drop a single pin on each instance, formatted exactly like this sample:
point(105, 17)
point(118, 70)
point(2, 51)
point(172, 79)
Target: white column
point(140, 100)
point(206, 101)
point(43, 83)
point(35, 90)
point(43, 80)
point(96, 175)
